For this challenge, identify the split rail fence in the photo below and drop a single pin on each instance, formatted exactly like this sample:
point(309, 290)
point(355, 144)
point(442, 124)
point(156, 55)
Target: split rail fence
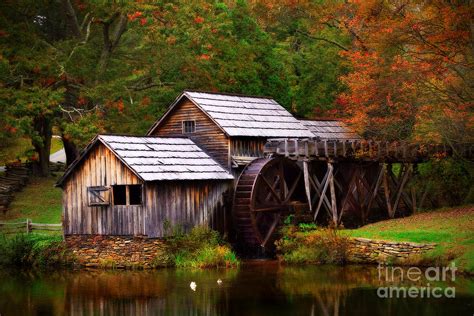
point(27, 227)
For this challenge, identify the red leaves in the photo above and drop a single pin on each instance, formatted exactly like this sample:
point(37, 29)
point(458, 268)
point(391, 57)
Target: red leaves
point(10, 129)
point(145, 101)
point(204, 57)
point(198, 20)
point(134, 16)
point(82, 101)
point(143, 21)
point(119, 104)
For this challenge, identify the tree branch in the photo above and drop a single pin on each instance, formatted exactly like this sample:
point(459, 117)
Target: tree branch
point(71, 18)
point(322, 39)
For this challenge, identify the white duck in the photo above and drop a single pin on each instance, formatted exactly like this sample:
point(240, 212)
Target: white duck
point(193, 286)
point(219, 281)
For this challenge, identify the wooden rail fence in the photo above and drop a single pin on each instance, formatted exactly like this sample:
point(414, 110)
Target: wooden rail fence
point(27, 227)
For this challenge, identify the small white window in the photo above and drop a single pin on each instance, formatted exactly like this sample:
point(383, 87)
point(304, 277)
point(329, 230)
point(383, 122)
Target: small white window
point(189, 127)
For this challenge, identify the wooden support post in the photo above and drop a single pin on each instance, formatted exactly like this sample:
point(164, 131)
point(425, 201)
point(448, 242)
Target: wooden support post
point(333, 194)
point(318, 187)
point(307, 184)
point(322, 194)
point(387, 191)
point(27, 225)
point(374, 190)
point(404, 178)
point(413, 190)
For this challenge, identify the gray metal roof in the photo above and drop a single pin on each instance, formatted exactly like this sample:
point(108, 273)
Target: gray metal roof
point(161, 158)
point(158, 158)
point(330, 129)
point(245, 115)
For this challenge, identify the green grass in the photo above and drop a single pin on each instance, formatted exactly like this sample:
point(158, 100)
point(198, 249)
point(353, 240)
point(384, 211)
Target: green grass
point(16, 149)
point(201, 248)
point(39, 201)
point(33, 250)
point(452, 229)
point(56, 145)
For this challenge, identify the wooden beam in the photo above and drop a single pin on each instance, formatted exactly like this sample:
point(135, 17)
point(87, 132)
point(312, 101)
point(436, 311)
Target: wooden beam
point(307, 185)
point(387, 191)
point(333, 195)
point(318, 186)
point(407, 171)
point(323, 192)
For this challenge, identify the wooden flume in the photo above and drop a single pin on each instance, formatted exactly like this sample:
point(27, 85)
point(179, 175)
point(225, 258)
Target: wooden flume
point(353, 177)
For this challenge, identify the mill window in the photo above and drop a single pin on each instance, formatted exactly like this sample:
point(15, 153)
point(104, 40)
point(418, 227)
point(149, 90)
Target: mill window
point(189, 127)
point(120, 194)
point(127, 194)
point(135, 194)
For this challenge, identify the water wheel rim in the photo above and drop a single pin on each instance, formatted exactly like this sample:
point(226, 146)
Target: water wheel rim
point(283, 198)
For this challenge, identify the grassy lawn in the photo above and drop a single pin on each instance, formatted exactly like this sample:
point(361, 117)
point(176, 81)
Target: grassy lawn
point(17, 148)
point(39, 201)
point(451, 228)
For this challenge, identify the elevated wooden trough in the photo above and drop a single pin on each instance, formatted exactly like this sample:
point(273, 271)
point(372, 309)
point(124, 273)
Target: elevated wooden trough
point(343, 177)
point(363, 150)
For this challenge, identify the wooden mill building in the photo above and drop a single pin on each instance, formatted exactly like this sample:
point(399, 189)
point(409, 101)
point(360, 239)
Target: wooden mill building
point(231, 128)
point(181, 173)
point(124, 185)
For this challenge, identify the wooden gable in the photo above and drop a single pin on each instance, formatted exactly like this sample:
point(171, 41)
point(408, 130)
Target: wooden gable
point(86, 194)
point(208, 135)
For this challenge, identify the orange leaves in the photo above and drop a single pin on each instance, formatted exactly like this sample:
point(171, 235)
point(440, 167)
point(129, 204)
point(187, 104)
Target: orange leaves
point(410, 71)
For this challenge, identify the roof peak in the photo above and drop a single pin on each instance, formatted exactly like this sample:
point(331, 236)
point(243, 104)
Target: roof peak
point(142, 136)
point(229, 94)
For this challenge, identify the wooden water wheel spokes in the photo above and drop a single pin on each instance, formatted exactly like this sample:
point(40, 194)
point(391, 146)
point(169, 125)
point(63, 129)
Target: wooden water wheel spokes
point(273, 184)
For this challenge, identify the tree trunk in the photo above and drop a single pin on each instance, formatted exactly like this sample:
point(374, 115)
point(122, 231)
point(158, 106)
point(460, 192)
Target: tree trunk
point(71, 150)
point(44, 129)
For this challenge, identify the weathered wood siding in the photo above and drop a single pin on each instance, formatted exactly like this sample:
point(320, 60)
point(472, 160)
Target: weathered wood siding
point(100, 168)
point(247, 146)
point(186, 204)
point(207, 135)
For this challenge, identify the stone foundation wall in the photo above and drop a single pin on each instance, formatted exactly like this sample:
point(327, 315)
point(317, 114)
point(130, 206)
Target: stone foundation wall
point(118, 251)
point(362, 250)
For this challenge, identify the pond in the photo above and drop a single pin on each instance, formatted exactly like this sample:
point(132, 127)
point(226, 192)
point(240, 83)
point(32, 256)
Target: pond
point(256, 288)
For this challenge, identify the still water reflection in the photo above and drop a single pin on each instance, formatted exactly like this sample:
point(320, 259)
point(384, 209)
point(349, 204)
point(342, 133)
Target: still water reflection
point(254, 289)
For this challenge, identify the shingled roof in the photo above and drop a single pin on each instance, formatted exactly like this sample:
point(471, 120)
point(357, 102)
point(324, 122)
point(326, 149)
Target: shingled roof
point(244, 115)
point(330, 129)
point(159, 158)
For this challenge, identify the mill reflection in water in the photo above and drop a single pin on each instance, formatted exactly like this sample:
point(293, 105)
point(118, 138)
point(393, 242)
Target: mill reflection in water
point(253, 289)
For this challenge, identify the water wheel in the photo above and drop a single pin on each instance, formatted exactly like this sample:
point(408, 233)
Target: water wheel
point(263, 197)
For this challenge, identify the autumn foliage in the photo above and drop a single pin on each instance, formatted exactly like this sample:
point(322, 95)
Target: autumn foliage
point(411, 70)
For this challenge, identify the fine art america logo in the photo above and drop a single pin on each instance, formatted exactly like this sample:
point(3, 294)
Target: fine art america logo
point(422, 282)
